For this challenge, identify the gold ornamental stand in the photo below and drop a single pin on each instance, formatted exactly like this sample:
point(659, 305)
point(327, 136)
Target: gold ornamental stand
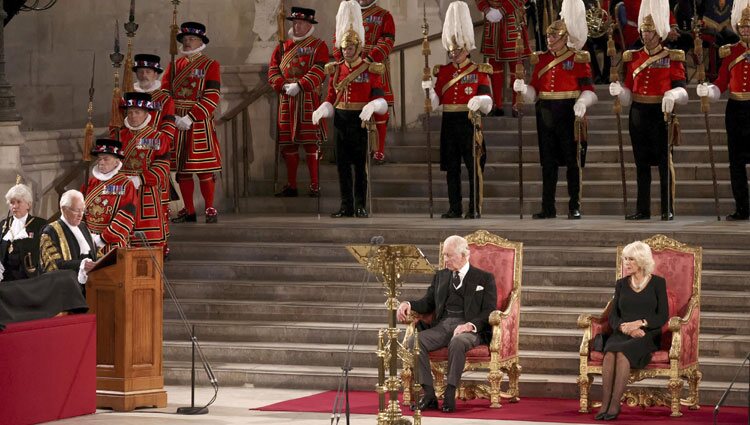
point(390, 264)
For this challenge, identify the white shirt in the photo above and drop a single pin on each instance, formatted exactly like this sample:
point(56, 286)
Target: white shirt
point(462, 274)
point(17, 229)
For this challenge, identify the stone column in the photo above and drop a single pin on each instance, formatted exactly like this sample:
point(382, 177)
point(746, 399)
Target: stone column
point(11, 138)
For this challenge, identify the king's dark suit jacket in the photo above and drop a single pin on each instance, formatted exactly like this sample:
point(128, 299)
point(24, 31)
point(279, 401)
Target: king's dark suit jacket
point(480, 299)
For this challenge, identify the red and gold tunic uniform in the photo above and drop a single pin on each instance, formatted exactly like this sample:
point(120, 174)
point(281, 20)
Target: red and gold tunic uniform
point(456, 84)
point(110, 209)
point(303, 63)
point(352, 86)
point(649, 75)
point(197, 85)
point(146, 154)
point(499, 38)
point(561, 75)
point(733, 74)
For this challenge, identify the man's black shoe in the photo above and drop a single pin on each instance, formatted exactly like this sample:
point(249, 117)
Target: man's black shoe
point(574, 214)
point(543, 215)
point(451, 214)
point(184, 217)
point(342, 213)
point(361, 213)
point(638, 216)
point(496, 112)
point(667, 216)
point(469, 215)
point(428, 403)
point(287, 192)
point(738, 216)
point(449, 399)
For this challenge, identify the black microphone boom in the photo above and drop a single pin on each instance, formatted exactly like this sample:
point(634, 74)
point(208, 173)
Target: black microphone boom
point(191, 410)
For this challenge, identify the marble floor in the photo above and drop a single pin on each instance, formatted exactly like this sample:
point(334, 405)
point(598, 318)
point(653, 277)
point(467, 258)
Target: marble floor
point(232, 407)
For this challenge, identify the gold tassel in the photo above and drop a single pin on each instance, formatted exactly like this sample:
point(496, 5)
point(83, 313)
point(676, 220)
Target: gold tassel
point(116, 115)
point(88, 141)
point(611, 47)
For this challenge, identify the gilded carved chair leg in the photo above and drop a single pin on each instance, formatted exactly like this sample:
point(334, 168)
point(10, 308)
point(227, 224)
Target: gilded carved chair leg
point(675, 389)
point(495, 377)
point(406, 379)
point(514, 375)
point(695, 380)
point(584, 386)
point(438, 381)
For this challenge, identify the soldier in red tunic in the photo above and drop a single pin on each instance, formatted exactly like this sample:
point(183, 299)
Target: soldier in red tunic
point(111, 198)
point(461, 86)
point(563, 89)
point(196, 92)
point(146, 162)
point(733, 76)
point(380, 34)
point(504, 22)
point(355, 94)
point(297, 77)
point(147, 69)
point(654, 83)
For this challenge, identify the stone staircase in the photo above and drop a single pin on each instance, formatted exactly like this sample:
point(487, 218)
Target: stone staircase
point(400, 186)
point(273, 298)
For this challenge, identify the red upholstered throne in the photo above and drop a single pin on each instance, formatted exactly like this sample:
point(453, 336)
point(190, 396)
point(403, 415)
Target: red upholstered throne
point(677, 358)
point(502, 258)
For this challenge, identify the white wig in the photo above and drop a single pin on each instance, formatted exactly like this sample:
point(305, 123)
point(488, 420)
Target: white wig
point(458, 27)
point(641, 253)
point(573, 12)
point(348, 17)
point(66, 200)
point(20, 192)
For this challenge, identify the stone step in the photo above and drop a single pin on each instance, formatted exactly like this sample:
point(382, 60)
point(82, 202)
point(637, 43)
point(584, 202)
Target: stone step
point(285, 271)
point(533, 256)
point(362, 355)
point(425, 232)
point(365, 379)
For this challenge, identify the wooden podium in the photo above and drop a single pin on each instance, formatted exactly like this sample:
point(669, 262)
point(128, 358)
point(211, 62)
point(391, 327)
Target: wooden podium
point(124, 290)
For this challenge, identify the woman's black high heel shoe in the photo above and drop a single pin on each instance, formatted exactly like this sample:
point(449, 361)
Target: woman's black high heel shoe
point(600, 416)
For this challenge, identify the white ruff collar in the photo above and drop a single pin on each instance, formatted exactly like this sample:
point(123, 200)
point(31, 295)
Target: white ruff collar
point(104, 177)
point(291, 34)
point(140, 127)
point(195, 51)
point(155, 85)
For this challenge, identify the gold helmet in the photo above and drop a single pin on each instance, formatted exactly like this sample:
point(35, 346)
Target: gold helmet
point(647, 24)
point(349, 28)
point(572, 24)
point(654, 16)
point(558, 28)
point(740, 14)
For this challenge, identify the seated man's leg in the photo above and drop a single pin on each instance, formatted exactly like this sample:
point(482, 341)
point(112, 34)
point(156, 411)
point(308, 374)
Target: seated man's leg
point(457, 349)
point(430, 340)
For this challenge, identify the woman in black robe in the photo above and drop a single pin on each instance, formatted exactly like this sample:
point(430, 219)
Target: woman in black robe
point(19, 237)
point(639, 309)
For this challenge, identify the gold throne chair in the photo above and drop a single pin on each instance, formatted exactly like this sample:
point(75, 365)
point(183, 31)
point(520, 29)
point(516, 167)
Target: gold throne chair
point(677, 358)
point(502, 258)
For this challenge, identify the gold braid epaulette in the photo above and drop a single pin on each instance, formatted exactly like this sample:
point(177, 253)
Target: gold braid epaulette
point(376, 68)
point(627, 55)
point(582, 56)
point(534, 58)
point(330, 68)
point(725, 50)
point(436, 70)
point(677, 55)
point(485, 68)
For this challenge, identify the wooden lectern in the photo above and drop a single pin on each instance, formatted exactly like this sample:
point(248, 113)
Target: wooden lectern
point(124, 290)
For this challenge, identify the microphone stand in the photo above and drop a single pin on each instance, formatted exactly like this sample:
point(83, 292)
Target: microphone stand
point(192, 409)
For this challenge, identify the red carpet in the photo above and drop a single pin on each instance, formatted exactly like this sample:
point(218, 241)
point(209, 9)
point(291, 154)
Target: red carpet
point(529, 409)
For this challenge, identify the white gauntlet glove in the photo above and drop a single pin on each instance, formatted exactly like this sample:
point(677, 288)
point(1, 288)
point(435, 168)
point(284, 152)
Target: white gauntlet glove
point(291, 89)
point(136, 181)
point(677, 95)
point(623, 93)
point(377, 106)
point(585, 100)
point(519, 86)
point(615, 89)
point(494, 15)
point(325, 110)
point(183, 123)
point(481, 103)
point(708, 90)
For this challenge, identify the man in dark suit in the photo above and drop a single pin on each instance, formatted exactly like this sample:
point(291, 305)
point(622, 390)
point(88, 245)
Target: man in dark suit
point(67, 243)
point(461, 297)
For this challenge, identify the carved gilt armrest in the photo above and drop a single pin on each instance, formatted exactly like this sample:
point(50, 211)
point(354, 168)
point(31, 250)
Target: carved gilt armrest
point(499, 319)
point(684, 330)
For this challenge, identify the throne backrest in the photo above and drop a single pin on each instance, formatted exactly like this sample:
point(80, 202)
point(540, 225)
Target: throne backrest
point(499, 256)
point(680, 265)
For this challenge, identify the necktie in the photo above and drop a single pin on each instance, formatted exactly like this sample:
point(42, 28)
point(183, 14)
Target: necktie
point(456, 280)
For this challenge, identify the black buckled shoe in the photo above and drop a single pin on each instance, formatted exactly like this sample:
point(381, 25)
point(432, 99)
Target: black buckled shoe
point(184, 217)
point(451, 214)
point(667, 216)
point(428, 403)
point(343, 212)
point(361, 213)
point(544, 215)
point(574, 214)
point(287, 192)
point(638, 216)
point(212, 216)
point(738, 216)
point(449, 399)
point(314, 190)
point(470, 215)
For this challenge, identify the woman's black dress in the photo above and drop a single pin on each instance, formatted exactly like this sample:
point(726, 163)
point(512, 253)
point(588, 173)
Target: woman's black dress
point(651, 304)
point(21, 262)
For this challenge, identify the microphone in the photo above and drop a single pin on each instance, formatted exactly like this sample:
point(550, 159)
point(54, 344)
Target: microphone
point(192, 410)
point(377, 240)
